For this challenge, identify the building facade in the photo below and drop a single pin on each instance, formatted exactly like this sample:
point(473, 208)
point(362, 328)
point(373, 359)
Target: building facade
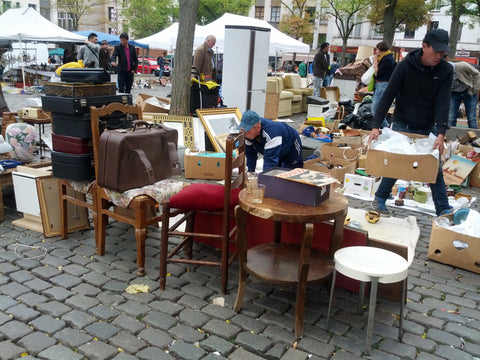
point(468, 46)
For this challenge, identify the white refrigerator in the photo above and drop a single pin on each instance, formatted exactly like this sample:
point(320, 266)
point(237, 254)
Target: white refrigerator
point(245, 66)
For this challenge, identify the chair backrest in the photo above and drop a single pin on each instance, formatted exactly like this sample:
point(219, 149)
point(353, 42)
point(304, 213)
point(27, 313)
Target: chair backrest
point(95, 117)
point(293, 81)
point(234, 159)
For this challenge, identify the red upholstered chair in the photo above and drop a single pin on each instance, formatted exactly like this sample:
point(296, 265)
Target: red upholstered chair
point(212, 199)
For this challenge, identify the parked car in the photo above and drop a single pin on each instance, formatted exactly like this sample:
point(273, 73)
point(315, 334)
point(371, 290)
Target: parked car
point(150, 66)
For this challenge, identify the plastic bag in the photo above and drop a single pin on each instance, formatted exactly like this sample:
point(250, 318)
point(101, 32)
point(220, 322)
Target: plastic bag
point(371, 84)
point(367, 75)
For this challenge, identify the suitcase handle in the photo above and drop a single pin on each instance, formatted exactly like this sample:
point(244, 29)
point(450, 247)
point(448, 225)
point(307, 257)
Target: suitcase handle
point(136, 123)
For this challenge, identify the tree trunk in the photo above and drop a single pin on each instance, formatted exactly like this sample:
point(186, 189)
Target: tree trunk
point(180, 104)
point(389, 21)
point(3, 103)
point(454, 25)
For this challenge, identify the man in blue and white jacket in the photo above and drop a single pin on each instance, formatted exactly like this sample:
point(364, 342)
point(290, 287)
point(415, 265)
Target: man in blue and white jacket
point(278, 142)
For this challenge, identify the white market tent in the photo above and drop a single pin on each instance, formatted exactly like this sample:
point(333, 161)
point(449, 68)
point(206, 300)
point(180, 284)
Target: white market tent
point(279, 42)
point(26, 24)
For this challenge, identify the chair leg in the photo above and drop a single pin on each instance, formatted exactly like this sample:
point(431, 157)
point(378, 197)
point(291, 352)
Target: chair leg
point(361, 295)
point(332, 294)
point(371, 315)
point(164, 245)
point(63, 212)
point(102, 221)
point(402, 305)
point(140, 236)
point(241, 217)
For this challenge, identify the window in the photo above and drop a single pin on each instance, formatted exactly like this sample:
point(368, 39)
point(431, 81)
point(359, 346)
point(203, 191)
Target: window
point(376, 32)
point(433, 25)
point(275, 14)
point(438, 4)
point(32, 6)
point(260, 12)
point(111, 14)
point(357, 29)
point(62, 19)
point(409, 34)
point(7, 5)
point(311, 11)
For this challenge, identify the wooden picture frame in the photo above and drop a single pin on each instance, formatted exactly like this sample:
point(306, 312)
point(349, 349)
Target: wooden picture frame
point(183, 125)
point(218, 123)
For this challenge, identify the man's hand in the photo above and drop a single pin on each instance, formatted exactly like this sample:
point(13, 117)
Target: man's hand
point(373, 135)
point(439, 143)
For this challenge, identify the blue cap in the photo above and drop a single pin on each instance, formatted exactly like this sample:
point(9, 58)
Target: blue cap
point(249, 118)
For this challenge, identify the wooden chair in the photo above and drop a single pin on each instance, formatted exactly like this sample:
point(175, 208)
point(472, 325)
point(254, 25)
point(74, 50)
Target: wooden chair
point(140, 212)
point(219, 200)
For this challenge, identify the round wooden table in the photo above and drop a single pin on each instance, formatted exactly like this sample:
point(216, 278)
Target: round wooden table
point(286, 263)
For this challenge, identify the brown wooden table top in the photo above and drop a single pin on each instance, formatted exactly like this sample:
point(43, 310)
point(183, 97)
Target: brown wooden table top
point(279, 210)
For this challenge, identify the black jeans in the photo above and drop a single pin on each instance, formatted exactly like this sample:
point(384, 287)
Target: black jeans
point(125, 81)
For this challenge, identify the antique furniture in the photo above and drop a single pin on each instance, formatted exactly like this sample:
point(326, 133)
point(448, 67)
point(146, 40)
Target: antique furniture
point(213, 199)
point(288, 264)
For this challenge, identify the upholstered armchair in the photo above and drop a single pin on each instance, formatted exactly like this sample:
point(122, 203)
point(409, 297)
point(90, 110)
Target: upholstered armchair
point(278, 103)
point(293, 84)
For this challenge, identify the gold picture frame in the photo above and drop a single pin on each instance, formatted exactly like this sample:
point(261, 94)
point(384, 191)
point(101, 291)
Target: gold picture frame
point(218, 123)
point(183, 125)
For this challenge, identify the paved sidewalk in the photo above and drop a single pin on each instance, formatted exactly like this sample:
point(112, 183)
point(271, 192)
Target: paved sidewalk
point(58, 300)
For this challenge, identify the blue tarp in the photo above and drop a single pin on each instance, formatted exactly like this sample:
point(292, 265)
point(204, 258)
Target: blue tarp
point(112, 39)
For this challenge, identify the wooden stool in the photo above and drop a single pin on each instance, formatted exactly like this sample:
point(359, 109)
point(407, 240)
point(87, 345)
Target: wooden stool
point(366, 263)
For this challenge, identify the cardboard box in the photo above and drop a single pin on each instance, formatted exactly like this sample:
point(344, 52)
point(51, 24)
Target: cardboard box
point(209, 166)
point(349, 140)
point(422, 168)
point(465, 255)
point(341, 167)
point(475, 174)
point(152, 104)
point(359, 185)
point(292, 191)
point(349, 153)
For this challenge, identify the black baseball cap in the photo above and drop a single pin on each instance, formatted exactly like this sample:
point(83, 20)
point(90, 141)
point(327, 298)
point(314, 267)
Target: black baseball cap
point(438, 39)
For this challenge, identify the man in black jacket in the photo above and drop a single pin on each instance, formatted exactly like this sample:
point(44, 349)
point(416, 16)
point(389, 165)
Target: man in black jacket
point(421, 86)
point(321, 63)
point(127, 63)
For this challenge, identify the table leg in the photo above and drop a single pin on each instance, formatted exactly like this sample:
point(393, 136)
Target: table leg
point(2, 209)
point(241, 219)
point(371, 315)
point(277, 232)
point(337, 233)
point(303, 266)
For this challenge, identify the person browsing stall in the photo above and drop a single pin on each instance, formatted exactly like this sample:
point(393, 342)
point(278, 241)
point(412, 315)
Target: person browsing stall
point(278, 142)
point(89, 52)
point(104, 55)
point(421, 85)
point(127, 63)
point(203, 58)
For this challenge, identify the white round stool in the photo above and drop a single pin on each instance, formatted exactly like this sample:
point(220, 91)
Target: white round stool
point(366, 263)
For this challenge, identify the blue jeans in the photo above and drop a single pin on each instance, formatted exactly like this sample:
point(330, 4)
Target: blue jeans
point(377, 94)
point(470, 108)
point(439, 190)
point(317, 84)
point(327, 81)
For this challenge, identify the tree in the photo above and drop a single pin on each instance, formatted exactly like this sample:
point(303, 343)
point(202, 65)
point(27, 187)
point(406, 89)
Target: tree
point(347, 14)
point(457, 9)
point(210, 10)
point(180, 104)
point(78, 9)
point(391, 15)
point(297, 23)
point(147, 17)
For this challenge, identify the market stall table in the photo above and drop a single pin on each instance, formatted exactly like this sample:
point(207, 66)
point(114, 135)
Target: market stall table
point(287, 263)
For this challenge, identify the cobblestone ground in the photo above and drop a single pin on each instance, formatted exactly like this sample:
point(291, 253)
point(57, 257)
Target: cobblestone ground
point(58, 300)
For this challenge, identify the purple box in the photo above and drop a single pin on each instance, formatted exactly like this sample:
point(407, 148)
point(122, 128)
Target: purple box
point(292, 191)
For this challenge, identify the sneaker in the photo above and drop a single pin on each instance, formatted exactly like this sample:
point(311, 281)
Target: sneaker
point(379, 205)
point(447, 212)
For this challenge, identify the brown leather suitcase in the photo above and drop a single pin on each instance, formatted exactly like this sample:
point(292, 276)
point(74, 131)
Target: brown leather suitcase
point(72, 89)
point(132, 158)
point(71, 144)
